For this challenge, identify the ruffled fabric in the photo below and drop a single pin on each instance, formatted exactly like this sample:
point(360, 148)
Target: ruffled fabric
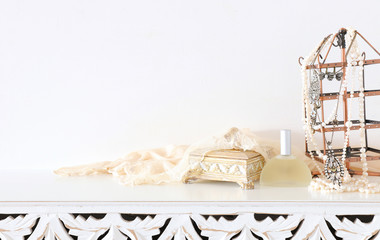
point(168, 164)
point(155, 166)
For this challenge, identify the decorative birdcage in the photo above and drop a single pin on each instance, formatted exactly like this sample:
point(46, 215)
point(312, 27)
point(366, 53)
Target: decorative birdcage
point(316, 70)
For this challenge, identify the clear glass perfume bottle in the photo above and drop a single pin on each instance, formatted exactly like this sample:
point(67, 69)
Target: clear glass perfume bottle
point(285, 170)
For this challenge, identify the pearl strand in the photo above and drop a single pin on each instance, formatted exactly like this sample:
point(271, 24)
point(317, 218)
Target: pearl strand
point(308, 134)
point(350, 72)
point(363, 156)
point(330, 186)
point(355, 55)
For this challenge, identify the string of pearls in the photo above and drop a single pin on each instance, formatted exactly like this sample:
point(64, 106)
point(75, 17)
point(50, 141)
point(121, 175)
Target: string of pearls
point(349, 184)
point(351, 73)
point(306, 104)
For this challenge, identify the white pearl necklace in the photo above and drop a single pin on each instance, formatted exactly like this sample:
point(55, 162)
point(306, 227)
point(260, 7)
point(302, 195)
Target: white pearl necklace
point(349, 184)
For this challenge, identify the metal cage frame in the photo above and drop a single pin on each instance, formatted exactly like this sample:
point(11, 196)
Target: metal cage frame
point(352, 153)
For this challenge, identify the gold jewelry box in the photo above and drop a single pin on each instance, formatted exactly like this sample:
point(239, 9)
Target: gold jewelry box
point(231, 165)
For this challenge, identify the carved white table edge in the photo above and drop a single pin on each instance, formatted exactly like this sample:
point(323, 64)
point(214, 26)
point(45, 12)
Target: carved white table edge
point(44, 206)
point(57, 220)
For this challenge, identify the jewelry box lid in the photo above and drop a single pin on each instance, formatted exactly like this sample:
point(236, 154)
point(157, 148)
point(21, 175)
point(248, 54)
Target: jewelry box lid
point(229, 154)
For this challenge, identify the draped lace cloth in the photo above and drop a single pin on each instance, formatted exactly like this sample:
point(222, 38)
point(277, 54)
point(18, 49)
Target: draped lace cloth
point(168, 164)
point(155, 166)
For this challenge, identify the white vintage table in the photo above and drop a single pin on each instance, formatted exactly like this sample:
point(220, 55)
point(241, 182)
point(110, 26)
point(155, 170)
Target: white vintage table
point(38, 204)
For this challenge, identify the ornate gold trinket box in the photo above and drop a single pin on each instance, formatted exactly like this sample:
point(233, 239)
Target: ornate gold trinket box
point(231, 165)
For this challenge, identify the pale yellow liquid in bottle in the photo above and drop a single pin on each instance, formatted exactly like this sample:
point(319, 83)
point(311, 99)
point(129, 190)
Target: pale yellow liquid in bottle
point(285, 171)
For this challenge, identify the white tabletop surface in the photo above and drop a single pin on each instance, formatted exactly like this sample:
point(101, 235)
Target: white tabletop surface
point(45, 186)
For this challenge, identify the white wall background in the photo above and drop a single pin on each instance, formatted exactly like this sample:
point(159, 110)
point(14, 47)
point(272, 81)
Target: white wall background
point(84, 81)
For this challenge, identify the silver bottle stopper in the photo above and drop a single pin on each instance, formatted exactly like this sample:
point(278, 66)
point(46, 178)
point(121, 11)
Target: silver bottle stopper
point(286, 142)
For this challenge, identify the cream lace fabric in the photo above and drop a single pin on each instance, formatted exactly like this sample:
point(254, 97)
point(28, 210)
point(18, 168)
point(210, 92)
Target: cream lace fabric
point(155, 166)
point(168, 164)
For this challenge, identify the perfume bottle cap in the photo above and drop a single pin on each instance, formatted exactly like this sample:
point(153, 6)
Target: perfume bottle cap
point(285, 142)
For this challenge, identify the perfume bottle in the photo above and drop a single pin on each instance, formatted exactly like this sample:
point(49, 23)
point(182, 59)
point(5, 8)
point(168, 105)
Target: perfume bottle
point(285, 170)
